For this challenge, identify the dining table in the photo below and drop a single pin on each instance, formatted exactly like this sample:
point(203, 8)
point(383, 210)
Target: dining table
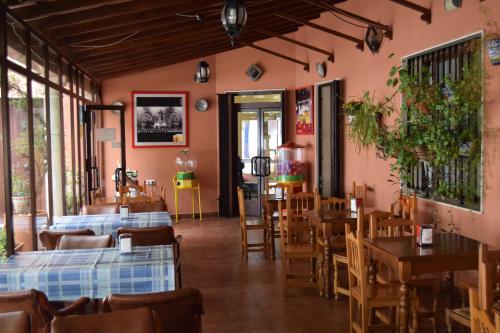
point(70, 274)
point(449, 252)
point(108, 224)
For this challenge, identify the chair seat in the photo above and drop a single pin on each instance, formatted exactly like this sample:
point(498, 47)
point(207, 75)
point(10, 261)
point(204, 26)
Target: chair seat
point(384, 294)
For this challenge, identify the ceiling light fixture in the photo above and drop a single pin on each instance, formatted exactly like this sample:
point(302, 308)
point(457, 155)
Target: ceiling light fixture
point(202, 72)
point(373, 38)
point(233, 17)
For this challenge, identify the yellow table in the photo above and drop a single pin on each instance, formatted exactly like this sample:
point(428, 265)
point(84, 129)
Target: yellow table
point(193, 186)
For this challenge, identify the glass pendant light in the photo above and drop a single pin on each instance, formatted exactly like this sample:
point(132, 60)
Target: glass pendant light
point(202, 72)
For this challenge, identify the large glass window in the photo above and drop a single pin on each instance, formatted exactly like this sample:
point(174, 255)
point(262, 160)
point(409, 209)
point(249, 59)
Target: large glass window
point(68, 155)
point(3, 237)
point(66, 67)
point(53, 66)
point(16, 42)
point(78, 137)
point(37, 56)
point(40, 150)
point(20, 161)
point(56, 152)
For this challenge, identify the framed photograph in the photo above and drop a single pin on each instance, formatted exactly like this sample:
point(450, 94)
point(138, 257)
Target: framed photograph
point(304, 109)
point(159, 119)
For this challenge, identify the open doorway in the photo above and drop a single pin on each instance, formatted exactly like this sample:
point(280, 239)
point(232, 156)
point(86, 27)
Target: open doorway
point(251, 124)
point(330, 140)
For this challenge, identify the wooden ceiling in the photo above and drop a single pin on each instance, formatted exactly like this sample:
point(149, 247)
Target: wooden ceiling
point(110, 37)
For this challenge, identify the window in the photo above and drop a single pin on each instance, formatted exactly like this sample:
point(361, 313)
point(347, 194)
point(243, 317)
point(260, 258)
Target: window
point(68, 156)
point(458, 181)
point(56, 151)
point(16, 42)
point(37, 56)
point(53, 66)
point(20, 161)
point(40, 166)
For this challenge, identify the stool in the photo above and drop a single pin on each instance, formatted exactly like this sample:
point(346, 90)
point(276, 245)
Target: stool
point(192, 186)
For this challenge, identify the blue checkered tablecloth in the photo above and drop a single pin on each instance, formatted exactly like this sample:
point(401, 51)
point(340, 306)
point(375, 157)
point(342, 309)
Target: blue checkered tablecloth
point(109, 223)
point(95, 273)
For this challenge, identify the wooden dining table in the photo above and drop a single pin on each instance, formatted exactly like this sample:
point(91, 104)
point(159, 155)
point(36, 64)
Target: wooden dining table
point(449, 252)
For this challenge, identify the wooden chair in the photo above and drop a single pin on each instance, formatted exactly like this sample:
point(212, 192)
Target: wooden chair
point(383, 224)
point(246, 226)
point(365, 296)
point(15, 322)
point(38, 307)
point(73, 242)
point(404, 206)
point(270, 209)
point(141, 320)
point(100, 209)
point(292, 249)
point(482, 300)
point(178, 311)
point(358, 191)
point(50, 238)
point(296, 225)
point(337, 244)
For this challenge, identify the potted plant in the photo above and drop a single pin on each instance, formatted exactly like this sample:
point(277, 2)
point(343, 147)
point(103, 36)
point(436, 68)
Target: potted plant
point(20, 193)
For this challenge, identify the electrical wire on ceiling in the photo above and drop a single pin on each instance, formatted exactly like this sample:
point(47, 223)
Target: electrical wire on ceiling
point(346, 21)
point(106, 45)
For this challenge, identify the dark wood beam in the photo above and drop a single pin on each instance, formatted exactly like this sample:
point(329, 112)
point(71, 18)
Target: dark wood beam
point(175, 38)
point(331, 56)
point(360, 44)
point(426, 12)
point(326, 6)
point(115, 12)
point(199, 45)
point(277, 54)
point(53, 8)
point(148, 21)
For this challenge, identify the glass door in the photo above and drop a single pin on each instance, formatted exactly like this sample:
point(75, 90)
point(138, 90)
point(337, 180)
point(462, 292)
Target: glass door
point(259, 135)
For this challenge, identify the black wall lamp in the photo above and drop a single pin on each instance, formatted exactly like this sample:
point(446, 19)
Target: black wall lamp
point(202, 72)
point(373, 38)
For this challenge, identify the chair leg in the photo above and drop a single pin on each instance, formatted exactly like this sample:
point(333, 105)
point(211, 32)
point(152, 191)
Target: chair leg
point(352, 313)
point(335, 278)
point(449, 324)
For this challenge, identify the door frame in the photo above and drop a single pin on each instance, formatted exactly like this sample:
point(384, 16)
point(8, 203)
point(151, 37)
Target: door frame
point(87, 111)
point(337, 137)
point(228, 150)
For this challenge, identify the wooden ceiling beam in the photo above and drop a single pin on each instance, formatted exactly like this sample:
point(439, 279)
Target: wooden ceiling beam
point(426, 12)
point(200, 46)
point(146, 21)
point(277, 54)
point(331, 56)
point(202, 32)
point(53, 8)
point(159, 62)
point(360, 44)
point(115, 12)
point(326, 6)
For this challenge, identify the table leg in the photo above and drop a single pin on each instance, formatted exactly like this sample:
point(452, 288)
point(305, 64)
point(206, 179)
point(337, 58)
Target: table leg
point(192, 201)
point(176, 207)
point(327, 269)
point(270, 227)
point(450, 288)
point(199, 201)
point(403, 308)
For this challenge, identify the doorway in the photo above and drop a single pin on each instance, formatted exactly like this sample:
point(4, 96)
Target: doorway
point(259, 135)
point(101, 137)
point(330, 139)
point(251, 124)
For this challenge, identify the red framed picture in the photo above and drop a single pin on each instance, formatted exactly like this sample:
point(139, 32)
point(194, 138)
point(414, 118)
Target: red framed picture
point(159, 119)
point(304, 109)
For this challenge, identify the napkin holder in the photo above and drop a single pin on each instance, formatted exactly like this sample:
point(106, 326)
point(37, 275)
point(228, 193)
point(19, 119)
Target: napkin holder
point(425, 234)
point(124, 212)
point(125, 242)
point(355, 204)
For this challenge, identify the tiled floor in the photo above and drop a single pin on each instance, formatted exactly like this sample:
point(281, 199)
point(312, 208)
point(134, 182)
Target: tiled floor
point(248, 296)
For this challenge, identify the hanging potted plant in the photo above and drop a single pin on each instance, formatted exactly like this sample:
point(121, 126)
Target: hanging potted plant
point(20, 194)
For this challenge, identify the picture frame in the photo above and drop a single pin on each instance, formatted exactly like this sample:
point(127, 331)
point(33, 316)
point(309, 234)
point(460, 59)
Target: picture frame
point(304, 110)
point(160, 119)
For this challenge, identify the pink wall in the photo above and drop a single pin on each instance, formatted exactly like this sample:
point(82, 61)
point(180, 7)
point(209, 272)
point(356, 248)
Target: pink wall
point(359, 70)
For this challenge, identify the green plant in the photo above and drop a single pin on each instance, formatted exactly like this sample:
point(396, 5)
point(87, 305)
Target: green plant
point(20, 185)
point(3, 244)
point(365, 116)
point(437, 122)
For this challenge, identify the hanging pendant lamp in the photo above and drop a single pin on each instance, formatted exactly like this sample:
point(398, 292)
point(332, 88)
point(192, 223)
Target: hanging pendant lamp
point(233, 17)
point(202, 72)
